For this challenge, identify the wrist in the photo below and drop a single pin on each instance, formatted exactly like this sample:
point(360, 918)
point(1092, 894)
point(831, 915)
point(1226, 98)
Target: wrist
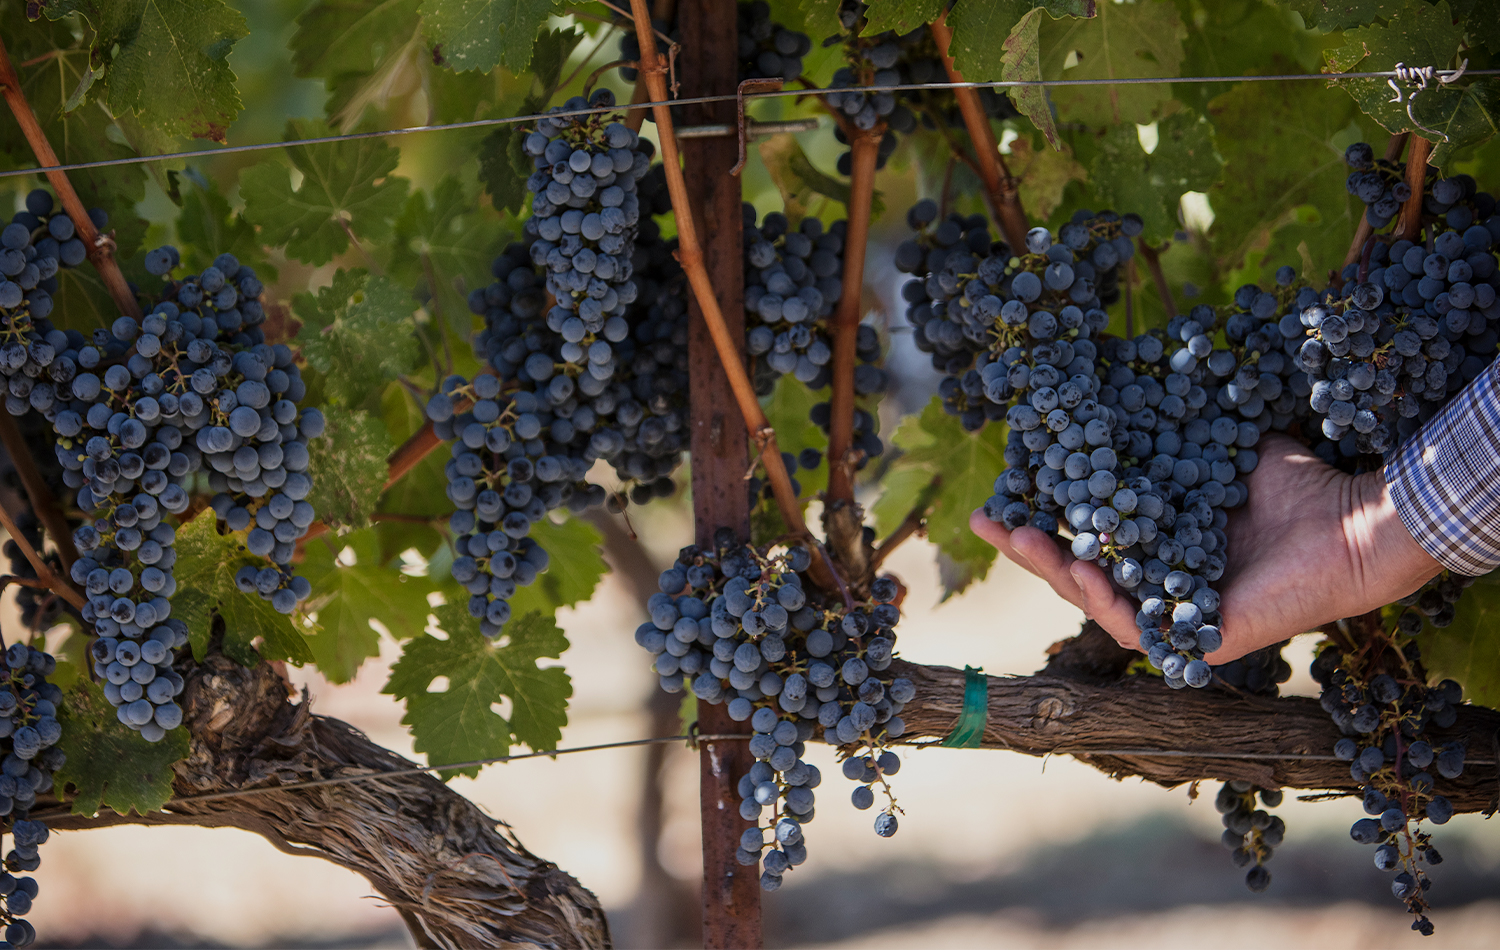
point(1388, 562)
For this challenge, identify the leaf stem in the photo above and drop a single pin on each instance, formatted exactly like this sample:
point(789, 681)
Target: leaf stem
point(1416, 177)
point(1152, 257)
point(98, 247)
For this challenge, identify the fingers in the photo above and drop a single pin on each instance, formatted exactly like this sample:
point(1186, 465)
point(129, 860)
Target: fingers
point(1033, 550)
point(1110, 609)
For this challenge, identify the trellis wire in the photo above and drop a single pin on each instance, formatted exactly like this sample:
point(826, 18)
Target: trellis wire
point(699, 100)
point(693, 739)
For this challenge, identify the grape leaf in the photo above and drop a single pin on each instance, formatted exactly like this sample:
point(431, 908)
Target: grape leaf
point(461, 723)
point(976, 25)
point(1464, 113)
point(903, 16)
point(575, 562)
point(342, 42)
point(1277, 139)
point(820, 18)
point(1124, 176)
point(504, 164)
point(357, 332)
point(1020, 61)
point(934, 444)
point(51, 65)
point(206, 564)
point(800, 182)
point(165, 61)
point(483, 34)
point(1044, 175)
point(1124, 41)
point(344, 184)
point(346, 597)
point(208, 227)
point(1467, 649)
point(1241, 37)
point(348, 463)
point(109, 764)
point(1331, 15)
point(446, 245)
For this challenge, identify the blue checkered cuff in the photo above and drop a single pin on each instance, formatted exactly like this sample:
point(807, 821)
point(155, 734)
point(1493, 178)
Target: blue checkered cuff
point(1445, 482)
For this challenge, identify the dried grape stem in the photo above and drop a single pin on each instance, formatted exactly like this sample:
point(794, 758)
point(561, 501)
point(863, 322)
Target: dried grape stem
point(1416, 176)
point(96, 246)
point(43, 502)
point(653, 70)
point(865, 148)
point(43, 570)
point(1005, 201)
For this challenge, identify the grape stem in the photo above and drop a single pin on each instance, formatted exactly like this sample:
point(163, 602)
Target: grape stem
point(1152, 257)
point(1393, 149)
point(98, 247)
point(653, 68)
point(1005, 201)
point(1416, 177)
point(44, 571)
point(865, 147)
point(43, 502)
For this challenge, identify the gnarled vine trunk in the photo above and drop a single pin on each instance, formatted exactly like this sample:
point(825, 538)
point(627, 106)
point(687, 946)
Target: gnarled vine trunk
point(459, 878)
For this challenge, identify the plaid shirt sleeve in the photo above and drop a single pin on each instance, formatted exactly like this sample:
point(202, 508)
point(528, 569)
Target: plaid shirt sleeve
point(1445, 482)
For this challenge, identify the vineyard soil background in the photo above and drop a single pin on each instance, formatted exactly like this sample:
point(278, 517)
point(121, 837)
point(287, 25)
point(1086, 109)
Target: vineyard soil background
point(1108, 289)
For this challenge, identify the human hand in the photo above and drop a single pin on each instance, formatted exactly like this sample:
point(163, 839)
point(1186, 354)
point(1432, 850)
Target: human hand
point(1311, 545)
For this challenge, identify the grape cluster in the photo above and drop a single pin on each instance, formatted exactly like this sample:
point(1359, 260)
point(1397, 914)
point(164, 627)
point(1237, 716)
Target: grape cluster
point(36, 244)
point(767, 50)
point(793, 279)
point(29, 732)
point(1251, 833)
point(1411, 326)
point(1384, 716)
point(741, 627)
point(140, 408)
point(1380, 184)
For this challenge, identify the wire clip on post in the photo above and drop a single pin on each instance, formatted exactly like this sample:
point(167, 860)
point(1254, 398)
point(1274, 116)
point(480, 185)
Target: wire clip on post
point(748, 86)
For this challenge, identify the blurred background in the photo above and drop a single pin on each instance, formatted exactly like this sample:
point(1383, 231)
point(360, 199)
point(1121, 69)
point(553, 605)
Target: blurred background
point(995, 849)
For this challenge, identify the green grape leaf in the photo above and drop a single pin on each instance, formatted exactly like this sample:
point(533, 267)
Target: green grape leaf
point(483, 34)
point(51, 65)
point(575, 562)
point(206, 564)
point(1467, 650)
point(344, 185)
point(109, 764)
point(1124, 176)
point(208, 227)
point(935, 445)
point(165, 61)
point(504, 165)
point(820, 18)
point(1329, 15)
point(1124, 41)
point(460, 723)
point(341, 38)
point(1241, 37)
point(349, 592)
point(446, 244)
point(802, 185)
point(1453, 116)
point(1044, 175)
point(1020, 61)
point(903, 16)
point(1278, 143)
point(348, 462)
point(975, 26)
point(357, 332)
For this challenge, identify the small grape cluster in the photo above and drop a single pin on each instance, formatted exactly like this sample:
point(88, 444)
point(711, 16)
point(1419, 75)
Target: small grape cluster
point(1385, 717)
point(29, 732)
point(1380, 184)
point(36, 244)
point(1411, 326)
point(39, 611)
point(767, 50)
point(1435, 603)
point(1251, 833)
point(895, 59)
point(793, 279)
point(741, 627)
